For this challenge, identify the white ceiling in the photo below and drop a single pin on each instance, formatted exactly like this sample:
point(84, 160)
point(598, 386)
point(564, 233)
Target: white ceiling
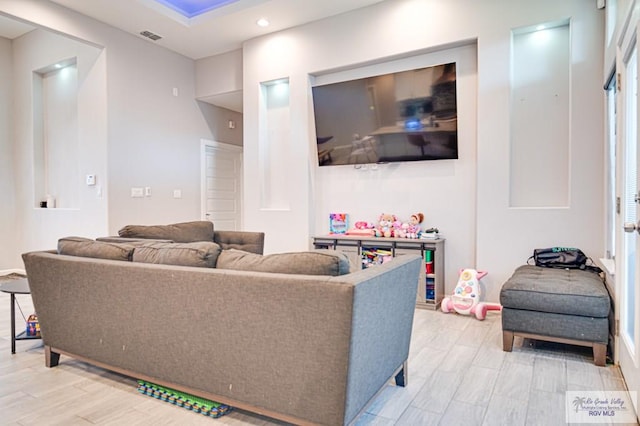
point(10, 28)
point(214, 32)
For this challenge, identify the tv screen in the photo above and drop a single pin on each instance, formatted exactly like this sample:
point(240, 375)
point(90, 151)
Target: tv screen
point(402, 116)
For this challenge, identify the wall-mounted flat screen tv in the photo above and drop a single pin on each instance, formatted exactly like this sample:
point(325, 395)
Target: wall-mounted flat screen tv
point(402, 116)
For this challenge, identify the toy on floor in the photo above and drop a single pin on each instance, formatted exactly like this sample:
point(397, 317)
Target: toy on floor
point(466, 296)
point(193, 403)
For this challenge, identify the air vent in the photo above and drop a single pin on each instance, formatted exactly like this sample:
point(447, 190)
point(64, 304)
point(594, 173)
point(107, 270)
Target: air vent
point(149, 34)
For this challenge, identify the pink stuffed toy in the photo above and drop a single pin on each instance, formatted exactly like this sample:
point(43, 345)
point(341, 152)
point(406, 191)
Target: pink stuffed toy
point(399, 229)
point(363, 225)
point(362, 228)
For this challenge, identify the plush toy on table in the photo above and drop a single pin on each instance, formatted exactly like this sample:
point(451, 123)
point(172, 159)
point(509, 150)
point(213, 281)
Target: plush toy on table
point(466, 296)
point(413, 229)
point(400, 229)
point(362, 228)
point(363, 225)
point(385, 225)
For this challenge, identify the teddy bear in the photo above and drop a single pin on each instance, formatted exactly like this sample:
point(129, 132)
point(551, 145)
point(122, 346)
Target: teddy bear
point(385, 225)
point(413, 230)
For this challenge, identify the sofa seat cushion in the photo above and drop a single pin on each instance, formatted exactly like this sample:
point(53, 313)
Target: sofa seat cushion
point(185, 232)
point(561, 291)
point(316, 262)
point(85, 247)
point(201, 254)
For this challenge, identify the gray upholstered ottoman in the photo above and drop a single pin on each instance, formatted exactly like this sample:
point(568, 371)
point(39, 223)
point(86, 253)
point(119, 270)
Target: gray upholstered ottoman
point(559, 305)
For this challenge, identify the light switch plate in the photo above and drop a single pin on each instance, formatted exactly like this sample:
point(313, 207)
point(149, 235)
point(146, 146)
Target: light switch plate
point(91, 180)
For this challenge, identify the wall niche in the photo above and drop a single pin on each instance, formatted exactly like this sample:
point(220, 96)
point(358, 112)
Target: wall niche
point(55, 125)
point(540, 116)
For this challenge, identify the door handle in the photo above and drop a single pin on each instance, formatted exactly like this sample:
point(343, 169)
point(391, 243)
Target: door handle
point(630, 227)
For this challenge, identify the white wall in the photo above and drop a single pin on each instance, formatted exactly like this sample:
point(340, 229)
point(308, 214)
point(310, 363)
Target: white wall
point(142, 134)
point(219, 82)
point(434, 188)
point(218, 118)
point(7, 212)
point(506, 236)
point(467, 199)
point(219, 74)
point(40, 228)
point(154, 136)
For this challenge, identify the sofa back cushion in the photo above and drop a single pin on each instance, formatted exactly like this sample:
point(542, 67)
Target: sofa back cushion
point(184, 232)
point(253, 242)
point(201, 254)
point(316, 262)
point(85, 247)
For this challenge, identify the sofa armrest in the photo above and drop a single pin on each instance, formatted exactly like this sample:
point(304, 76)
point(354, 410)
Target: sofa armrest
point(252, 242)
point(383, 310)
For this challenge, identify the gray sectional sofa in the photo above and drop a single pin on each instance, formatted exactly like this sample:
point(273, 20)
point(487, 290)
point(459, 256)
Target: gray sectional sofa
point(188, 232)
point(307, 342)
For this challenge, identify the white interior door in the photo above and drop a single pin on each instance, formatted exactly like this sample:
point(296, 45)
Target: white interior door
point(222, 185)
point(629, 272)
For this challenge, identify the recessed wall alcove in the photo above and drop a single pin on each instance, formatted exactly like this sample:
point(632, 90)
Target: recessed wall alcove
point(60, 103)
point(55, 134)
point(540, 116)
point(274, 145)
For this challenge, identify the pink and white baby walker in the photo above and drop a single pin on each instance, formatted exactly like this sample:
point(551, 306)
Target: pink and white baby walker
point(466, 296)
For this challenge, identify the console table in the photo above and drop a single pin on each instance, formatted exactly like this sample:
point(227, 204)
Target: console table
point(16, 287)
point(361, 251)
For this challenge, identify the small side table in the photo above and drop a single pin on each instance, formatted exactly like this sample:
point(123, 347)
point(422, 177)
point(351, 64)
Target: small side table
point(13, 288)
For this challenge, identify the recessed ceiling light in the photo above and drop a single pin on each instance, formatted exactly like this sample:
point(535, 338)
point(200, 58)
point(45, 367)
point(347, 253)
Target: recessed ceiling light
point(192, 8)
point(58, 66)
point(262, 22)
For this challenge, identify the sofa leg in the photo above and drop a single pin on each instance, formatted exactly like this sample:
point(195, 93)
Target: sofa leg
point(507, 340)
point(600, 354)
point(401, 378)
point(51, 359)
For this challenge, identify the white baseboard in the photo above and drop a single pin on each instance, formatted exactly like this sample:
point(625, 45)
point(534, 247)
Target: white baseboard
point(4, 272)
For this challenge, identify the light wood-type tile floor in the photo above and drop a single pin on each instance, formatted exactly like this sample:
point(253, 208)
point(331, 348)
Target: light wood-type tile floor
point(458, 375)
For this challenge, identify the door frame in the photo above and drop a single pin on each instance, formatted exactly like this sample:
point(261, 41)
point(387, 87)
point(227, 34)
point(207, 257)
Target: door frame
point(627, 359)
point(234, 149)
